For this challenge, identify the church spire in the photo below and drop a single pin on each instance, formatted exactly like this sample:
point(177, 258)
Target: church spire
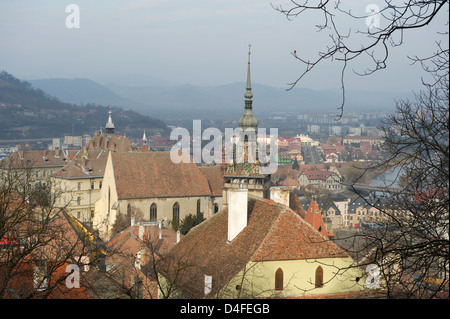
point(144, 145)
point(144, 139)
point(248, 93)
point(248, 120)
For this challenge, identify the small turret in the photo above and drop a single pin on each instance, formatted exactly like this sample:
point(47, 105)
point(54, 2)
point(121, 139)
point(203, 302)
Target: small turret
point(109, 125)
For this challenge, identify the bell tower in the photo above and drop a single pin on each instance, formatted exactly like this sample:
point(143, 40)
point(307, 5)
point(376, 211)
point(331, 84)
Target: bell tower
point(244, 170)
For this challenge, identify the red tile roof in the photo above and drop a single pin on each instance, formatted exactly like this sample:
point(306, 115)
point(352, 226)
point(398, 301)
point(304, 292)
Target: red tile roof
point(41, 158)
point(94, 166)
point(153, 174)
point(273, 232)
point(318, 175)
point(314, 218)
point(214, 175)
point(117, 143)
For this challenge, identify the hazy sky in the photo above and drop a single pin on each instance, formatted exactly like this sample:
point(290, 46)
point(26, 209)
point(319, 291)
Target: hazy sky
point(201, 42)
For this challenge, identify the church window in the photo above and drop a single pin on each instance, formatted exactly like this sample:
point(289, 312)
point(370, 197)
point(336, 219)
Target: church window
point(279, 279)
point(319, 277)
point(128, 210)
point(153, 213)
point(176, 214)
point(198, 207)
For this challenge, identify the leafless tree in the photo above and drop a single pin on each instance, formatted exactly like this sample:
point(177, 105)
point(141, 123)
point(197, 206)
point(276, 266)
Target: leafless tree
point(410, 242)
point(37, 241)
point(375, 40)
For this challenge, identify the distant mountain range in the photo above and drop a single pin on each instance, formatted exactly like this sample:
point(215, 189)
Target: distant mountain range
point(163, 98)
point(29, 112)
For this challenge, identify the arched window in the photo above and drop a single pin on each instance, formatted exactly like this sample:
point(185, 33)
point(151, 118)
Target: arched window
point(198, 207)
point(153, 213)
point(319, 277)
point(279, 279)
point(176, 214)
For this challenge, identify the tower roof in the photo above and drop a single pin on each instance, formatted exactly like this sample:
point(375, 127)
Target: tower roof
point(314, 218)
point(109, 125)
point(248, 120)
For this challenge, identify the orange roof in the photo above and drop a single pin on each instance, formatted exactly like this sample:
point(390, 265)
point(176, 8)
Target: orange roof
point(153, 174)
point(289, 182)
point(273, 232)
point(314, 218)
point(214, 176)
point(117, 143)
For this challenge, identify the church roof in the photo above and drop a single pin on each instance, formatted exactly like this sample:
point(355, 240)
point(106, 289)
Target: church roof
point(153, 174)
point(117, 143)
point(273, 232)
point(215, 178)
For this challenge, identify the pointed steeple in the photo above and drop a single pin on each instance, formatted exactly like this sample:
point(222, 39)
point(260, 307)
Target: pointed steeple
point(248, 120)
point(144, 145)
point(314, 218)
point(144, 139)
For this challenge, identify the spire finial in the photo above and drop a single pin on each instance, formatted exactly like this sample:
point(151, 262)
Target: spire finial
point(248, 94)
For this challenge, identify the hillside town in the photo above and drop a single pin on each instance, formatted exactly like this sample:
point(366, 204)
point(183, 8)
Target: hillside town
point(106, 217)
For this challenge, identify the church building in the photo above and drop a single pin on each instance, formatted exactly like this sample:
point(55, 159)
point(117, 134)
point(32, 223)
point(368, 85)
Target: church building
point(150, 186)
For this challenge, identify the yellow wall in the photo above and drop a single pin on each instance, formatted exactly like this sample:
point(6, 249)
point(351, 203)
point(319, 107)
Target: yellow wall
point(258, 280)
point(68, 192)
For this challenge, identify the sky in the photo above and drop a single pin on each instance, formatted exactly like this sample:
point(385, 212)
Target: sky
point(198, 42)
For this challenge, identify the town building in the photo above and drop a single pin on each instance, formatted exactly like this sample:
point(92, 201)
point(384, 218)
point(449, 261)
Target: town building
point(152, 186)
point(320, 179)
point(77, 185)
point(38, 166)
point(357, 139)
point(258, 247)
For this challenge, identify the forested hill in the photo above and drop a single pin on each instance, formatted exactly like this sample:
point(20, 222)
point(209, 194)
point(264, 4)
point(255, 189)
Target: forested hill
point(27, 112)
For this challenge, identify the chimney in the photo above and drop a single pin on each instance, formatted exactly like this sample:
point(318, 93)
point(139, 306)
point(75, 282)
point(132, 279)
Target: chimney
point(280, 194)
point(132, 221)
point(237, 211)
point(141, 232)
point(178, 236)
point(160, 233)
